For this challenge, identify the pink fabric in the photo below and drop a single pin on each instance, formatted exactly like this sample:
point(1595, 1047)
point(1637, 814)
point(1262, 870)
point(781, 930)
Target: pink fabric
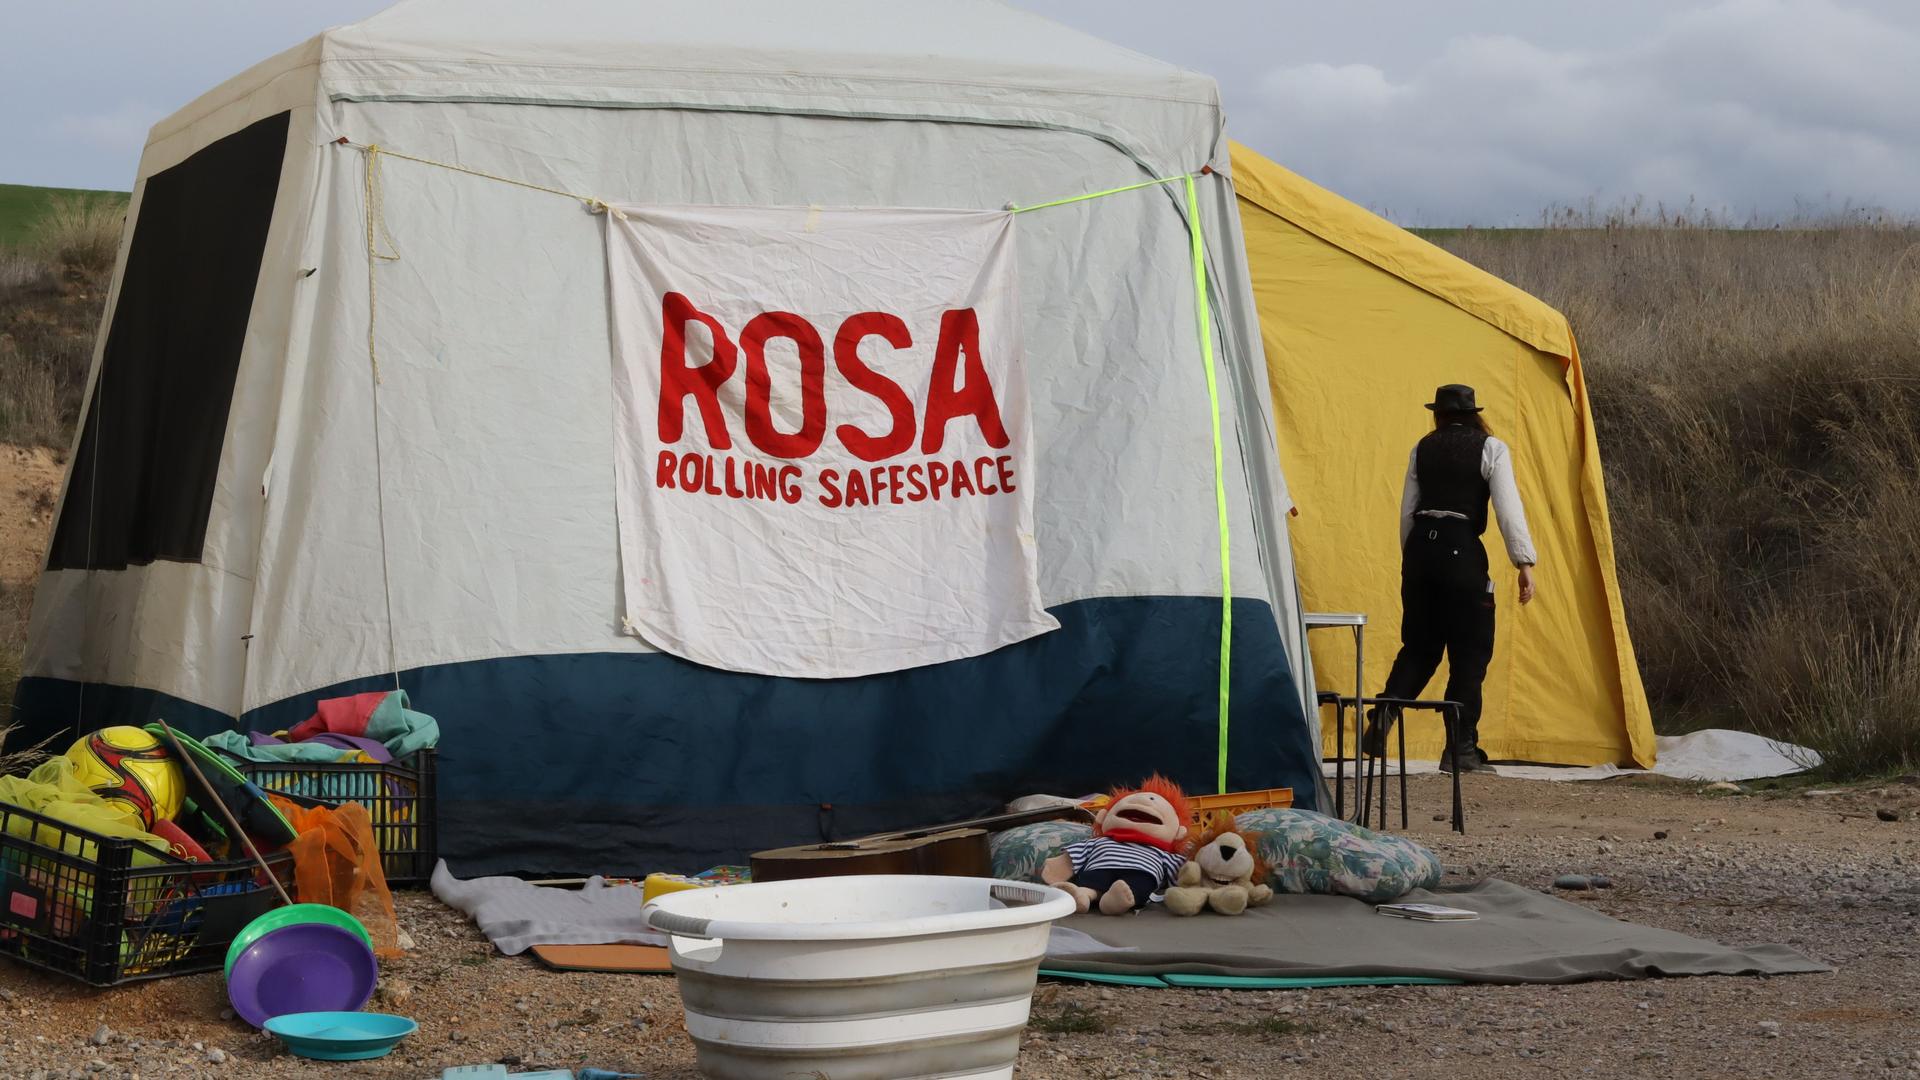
point(341, 716)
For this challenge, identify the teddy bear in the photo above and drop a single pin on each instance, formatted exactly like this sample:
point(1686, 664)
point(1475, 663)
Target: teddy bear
point(1138, 845)
point(1223, 873)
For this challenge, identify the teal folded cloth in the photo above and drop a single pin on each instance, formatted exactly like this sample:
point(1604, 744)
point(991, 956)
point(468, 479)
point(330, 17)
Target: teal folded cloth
point(404, 730)
point(235, 744)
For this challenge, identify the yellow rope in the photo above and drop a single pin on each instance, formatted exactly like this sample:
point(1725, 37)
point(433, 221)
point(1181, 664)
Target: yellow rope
point(1097, 194)
point(375, 220)
point(376, 232)
point(377, 227)
point(597, 206)
point(601, 206)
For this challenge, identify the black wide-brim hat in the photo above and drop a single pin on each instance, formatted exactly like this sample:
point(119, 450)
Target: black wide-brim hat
point(1453, 397)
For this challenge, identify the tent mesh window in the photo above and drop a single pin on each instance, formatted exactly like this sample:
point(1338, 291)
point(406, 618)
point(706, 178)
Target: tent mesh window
point(143, 476)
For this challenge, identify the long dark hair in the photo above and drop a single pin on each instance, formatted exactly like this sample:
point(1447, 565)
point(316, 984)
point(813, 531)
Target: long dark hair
point(1453, 416)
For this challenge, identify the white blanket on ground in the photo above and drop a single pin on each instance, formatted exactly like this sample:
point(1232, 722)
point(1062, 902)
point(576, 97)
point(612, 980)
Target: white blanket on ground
point(516, 916)
point(1710, 754)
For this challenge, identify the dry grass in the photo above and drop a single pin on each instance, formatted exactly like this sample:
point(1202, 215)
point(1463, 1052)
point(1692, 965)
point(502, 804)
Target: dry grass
point(15, 605)
point(20, 761)
point(51, 294)
point(79, 232)
point(1757, 394)
point(52, 290)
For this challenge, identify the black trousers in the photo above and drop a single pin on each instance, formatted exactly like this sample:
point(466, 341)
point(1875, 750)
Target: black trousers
point(1143, 883)
point(1446, 607)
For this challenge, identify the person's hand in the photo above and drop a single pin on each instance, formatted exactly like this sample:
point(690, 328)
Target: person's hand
point(1526, 584)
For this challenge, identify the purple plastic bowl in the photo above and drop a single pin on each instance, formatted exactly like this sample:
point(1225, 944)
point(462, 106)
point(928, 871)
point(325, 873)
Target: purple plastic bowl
point(307, 967)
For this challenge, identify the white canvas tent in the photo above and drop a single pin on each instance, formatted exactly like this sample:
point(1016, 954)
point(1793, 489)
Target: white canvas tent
point(271, 503)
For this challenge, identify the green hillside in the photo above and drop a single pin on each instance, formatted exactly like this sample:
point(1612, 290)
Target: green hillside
point(21, 206)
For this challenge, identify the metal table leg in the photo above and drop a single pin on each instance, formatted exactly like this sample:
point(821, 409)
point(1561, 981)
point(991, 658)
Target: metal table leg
point(1339, 758)
point(1403, 778)
point(1453, 755)
point(1401, 723)
point(1359, 695)
point(1366, 793)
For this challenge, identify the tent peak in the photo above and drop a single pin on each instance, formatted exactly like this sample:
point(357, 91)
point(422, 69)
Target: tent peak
point(967, 61)
point(1426, 266)
point(984, 32)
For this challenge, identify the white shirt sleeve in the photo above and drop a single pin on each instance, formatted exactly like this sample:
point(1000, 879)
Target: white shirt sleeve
point(1496, 466)
point(1410, 496)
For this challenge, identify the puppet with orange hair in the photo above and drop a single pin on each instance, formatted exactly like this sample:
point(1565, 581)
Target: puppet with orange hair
point(1139, 844)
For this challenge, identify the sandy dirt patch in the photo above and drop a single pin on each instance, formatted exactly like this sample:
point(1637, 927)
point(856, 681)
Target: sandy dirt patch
point(29, 490)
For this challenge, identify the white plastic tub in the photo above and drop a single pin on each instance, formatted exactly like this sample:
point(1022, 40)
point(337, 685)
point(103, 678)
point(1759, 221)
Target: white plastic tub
point(876, 977)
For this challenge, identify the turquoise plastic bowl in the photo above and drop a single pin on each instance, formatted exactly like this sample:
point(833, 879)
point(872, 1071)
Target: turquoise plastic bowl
point(341, 1036)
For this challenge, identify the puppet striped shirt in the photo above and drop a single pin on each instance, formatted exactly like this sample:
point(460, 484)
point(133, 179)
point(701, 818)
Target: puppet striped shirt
point(1101, 853)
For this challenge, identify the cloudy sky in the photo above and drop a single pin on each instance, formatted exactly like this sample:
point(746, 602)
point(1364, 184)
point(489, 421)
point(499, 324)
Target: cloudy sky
point(1462, 112)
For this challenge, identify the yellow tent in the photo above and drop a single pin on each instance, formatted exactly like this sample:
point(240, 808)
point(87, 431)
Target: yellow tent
point(1361, 320)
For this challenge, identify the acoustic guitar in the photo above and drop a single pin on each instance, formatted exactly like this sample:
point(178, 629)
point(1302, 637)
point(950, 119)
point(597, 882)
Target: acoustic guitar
point(956, 849)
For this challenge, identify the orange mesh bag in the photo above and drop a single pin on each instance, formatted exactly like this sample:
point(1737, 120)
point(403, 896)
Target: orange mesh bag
point(337, 862)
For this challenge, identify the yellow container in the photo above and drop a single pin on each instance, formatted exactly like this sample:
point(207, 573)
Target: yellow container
point(1239, 802)
point(662, 884)
point(714, 877)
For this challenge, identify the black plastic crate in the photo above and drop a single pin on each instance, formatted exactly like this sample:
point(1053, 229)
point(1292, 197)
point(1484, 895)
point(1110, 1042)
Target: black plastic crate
point(399, 796)
point(109, 910)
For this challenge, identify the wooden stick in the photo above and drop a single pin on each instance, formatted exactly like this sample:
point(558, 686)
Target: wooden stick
point(245, 840)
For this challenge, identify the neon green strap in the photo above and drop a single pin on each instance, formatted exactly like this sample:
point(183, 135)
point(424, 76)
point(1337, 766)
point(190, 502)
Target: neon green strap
point(1204, 316)
point(1100, 194)
point(1203, 319)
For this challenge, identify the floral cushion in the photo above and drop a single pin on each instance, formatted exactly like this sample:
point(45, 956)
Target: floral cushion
point(1314, 853)
point(1019, 852)
point(1309, 853)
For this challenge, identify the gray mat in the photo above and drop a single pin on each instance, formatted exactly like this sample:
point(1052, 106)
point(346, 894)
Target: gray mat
point(1522, 936)
point(516, 915)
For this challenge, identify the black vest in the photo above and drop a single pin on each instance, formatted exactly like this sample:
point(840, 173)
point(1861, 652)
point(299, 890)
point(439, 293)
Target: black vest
point(1447, 464)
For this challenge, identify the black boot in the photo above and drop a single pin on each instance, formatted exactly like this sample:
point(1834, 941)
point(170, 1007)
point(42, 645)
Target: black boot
point(1374, 742)
point(1470, 757)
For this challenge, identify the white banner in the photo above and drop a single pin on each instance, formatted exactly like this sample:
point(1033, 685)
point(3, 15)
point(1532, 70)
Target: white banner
point(822, 446)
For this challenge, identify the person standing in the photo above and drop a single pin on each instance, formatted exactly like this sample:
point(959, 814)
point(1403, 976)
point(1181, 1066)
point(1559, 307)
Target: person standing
point(1446, 596)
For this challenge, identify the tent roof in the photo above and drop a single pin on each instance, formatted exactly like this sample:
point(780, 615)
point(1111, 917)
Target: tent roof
point(960, 60)
point(1359, 232)
point(993, 40)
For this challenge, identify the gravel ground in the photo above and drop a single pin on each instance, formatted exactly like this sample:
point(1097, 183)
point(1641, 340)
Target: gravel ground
point(1820, 872)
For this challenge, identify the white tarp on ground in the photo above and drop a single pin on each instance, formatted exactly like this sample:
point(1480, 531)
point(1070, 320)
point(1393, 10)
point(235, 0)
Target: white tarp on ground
point(822, 447)
point(1710, 754)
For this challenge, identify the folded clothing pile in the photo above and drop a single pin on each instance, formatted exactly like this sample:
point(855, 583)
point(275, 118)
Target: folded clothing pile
point(371, 728)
